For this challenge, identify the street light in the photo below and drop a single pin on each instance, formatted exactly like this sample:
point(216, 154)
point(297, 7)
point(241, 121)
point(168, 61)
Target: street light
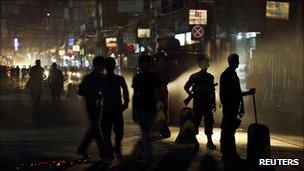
point(239, 36)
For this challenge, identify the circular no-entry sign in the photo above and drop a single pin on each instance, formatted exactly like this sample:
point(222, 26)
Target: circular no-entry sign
point(197, 31)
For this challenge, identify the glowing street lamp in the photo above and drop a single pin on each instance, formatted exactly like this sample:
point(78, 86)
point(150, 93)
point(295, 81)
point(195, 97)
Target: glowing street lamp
point(16, 44)
point(239, 36)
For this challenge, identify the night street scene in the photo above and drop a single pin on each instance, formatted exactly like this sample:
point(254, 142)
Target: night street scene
point(156, 85)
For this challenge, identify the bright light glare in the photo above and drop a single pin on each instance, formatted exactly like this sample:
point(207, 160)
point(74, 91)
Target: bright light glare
point(239, 36)
point(46, 73)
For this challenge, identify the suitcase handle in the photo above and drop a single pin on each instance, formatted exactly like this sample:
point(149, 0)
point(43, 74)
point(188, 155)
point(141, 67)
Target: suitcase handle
point(252, 92)
point(254, 108)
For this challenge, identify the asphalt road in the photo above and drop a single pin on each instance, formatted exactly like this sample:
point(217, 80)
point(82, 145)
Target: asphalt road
point(29, 139)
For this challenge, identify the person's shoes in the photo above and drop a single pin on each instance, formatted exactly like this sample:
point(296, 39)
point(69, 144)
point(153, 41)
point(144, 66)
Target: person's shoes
point(83, 154)
point(210, 145)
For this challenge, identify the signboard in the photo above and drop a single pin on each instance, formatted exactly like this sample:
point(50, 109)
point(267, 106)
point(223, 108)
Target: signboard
point(197, 17)
point(143, 33)
point(111, 42)
point(76, 48)
point(61, 52)
point(197, 31)
point(71, 41)
point(277, 10)
point(53, 50)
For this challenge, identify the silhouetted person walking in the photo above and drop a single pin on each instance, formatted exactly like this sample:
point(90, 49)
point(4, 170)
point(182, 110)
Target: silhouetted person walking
point(17, 74)
point(161, 68)
point(113, 108)
point(232, 102)
point(55, 82)
point(203, 93)
point(91, 88)
point(36, 75)
point(146, 87)
point(23, 73)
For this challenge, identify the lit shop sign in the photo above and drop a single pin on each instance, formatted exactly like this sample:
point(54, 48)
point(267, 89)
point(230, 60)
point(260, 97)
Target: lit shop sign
point(143, 33)
point(71, 41)
point(197, 17)
point(81, 51)
point(185, 39)
point(53, 50)
point(111, 42)
point(61, 52)
point(76, 48)
point(277, 10)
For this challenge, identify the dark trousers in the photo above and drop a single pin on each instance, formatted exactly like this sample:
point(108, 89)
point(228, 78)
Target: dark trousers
point(94, 132)
point(145, 121)
point(35, 96)
point(55, 95)
point(201, 111)
point(228, 126)
point(112, 120)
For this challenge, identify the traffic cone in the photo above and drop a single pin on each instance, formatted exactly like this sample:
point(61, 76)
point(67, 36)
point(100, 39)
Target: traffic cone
point(186, 139)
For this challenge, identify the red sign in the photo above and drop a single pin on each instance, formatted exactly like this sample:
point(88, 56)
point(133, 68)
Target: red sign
point(197, 31)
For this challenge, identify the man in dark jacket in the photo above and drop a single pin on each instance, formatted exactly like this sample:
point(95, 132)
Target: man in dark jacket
point(36, 75)
point(113, 108)
point(91, 88)
point(146, 85)
point(203, 93)
point(55, 82)
point(233, 107)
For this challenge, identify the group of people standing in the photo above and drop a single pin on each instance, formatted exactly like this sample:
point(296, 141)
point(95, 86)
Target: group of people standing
point(105, 106)
point(202, 88)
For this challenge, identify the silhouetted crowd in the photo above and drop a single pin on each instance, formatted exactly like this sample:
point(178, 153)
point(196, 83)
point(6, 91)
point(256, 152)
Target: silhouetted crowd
point(106, 97)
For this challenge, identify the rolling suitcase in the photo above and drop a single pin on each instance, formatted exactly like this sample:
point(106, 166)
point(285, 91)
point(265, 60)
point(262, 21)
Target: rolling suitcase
point(258, 144)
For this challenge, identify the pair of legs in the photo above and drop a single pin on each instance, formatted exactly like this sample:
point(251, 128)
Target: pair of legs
point(94, 132)
point(228, 126)
point(35, 93)
point(55, 94)
point(206, 113)
point(145, 119)
point(115, 121)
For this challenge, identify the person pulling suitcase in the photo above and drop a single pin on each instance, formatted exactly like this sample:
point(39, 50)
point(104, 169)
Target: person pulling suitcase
point(231, 98)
